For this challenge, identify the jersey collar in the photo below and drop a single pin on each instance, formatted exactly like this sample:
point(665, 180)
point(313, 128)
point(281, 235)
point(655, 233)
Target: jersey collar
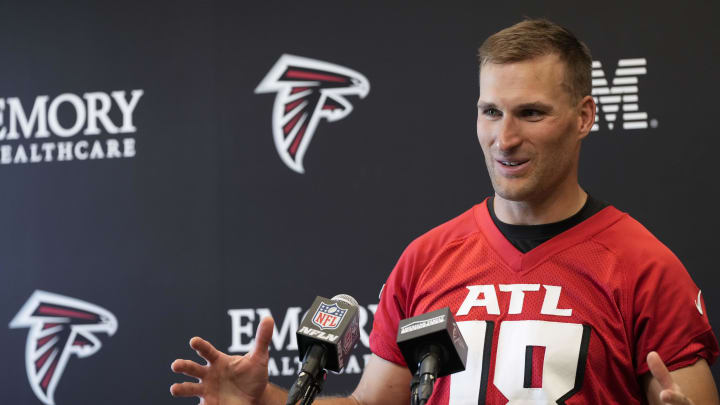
point(518, 261)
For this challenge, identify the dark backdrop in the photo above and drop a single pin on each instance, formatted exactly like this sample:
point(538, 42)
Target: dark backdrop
point(206, 221)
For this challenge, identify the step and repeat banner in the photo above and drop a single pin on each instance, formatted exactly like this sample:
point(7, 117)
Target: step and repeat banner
point(167, 170)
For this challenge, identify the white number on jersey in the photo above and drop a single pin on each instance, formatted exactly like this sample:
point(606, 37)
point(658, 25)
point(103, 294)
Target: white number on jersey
point(563, 366)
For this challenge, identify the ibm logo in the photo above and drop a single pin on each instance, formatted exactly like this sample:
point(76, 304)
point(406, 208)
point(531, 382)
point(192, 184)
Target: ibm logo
point(619, 102)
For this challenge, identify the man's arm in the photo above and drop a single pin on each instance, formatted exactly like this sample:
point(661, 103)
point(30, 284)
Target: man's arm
point(383, 382)
point(692, 385)
point(243, 380)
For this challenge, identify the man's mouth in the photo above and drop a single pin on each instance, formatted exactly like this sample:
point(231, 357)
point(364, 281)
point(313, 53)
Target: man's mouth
point(511, 163)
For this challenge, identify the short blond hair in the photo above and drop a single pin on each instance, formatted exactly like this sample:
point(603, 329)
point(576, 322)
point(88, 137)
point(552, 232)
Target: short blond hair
point(533, 38)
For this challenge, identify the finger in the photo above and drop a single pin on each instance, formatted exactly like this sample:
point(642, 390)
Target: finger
point(189, 368)
point(659, 371)
point(204, 349)
point(186, 389)
point(263, 337)
point(674, 398)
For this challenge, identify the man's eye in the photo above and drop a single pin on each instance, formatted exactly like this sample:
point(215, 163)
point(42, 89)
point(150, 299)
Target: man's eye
point(492, 112)
point(532, 114)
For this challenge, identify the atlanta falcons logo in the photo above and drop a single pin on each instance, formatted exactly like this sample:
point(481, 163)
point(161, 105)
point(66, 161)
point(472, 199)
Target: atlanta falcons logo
point(59, 326)
point(307, 90)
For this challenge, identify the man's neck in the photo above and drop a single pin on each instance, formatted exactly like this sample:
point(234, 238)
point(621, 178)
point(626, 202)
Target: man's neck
point(544, 211)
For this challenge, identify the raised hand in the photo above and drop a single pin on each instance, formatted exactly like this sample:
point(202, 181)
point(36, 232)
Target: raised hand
point(671, 392)
point(224, 379)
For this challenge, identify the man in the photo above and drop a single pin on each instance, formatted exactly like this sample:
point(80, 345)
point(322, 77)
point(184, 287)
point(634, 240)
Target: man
point(561, 298)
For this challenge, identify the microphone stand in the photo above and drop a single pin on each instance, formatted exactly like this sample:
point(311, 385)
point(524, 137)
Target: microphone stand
point(314, 388)
point(423, 382)
point(311, 378)
point(414, 397)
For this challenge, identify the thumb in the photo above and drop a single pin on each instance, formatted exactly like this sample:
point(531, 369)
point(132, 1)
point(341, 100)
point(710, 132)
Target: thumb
point(659, 371)
point(263, 337)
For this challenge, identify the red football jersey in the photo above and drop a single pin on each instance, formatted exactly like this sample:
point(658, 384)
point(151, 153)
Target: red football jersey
point(571, 321)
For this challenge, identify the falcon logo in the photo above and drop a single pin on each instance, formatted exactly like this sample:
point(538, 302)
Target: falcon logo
point(59, 326)
point(307, 90)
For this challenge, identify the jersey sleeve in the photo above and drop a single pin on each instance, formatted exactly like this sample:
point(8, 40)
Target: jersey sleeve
point(391, 309)
point(668, 313)
point(399, 296)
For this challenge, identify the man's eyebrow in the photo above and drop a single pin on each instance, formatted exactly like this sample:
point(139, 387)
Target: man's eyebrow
point(536, 105)
point(482, 105)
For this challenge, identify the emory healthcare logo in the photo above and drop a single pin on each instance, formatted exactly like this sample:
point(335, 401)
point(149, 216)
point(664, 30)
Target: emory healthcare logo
point(307, 90)
point(59, 326)
point(68, 127)
point(284, 360)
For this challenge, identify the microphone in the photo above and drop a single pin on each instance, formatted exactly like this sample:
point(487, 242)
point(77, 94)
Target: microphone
point(327, 333)
point(433, 347)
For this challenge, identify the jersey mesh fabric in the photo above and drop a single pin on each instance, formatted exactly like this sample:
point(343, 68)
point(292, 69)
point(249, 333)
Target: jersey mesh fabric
point(612, 279)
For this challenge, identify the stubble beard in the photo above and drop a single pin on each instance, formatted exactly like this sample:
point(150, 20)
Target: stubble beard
point(514, 189)
point(536, 185)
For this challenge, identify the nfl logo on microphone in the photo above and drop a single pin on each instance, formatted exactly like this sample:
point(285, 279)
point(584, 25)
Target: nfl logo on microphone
point(328, 316)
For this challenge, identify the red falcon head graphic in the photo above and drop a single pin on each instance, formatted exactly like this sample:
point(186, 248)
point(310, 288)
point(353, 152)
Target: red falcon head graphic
point(59, 326)
point(307, 90)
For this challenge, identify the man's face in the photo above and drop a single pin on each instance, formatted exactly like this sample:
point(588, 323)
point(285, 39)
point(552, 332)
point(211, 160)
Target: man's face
point(529, 128)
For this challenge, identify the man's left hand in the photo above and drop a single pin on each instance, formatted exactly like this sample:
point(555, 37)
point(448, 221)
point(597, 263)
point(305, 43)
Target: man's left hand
point(671, 392)
point(664, 387)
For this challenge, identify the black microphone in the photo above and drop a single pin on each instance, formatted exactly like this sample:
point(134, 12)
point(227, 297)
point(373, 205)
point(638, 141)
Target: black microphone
point(433, 347)
point(327, 333)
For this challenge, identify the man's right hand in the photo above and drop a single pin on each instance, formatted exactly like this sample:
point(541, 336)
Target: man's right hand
point(226, 380)
point(243, 380)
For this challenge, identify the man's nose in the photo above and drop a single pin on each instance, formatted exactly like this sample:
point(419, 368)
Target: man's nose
point(508, 137)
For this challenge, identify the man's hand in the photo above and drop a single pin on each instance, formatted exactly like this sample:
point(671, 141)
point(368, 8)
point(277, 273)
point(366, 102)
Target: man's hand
point(671, 392)
point(678, 387)
point(226, 380)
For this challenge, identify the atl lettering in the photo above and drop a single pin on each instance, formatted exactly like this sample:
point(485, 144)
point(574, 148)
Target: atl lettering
point(489, 299)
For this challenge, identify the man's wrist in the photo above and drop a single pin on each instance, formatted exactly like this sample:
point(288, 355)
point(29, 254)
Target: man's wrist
point(273, 395)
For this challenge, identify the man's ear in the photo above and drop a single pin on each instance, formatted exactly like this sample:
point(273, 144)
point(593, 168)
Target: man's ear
point(586, 116)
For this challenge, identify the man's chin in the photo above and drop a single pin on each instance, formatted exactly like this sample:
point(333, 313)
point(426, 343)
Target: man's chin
point(512, 193)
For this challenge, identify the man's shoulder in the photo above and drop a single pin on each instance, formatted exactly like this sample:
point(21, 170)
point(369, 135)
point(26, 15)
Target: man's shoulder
point(454, 230)
point(631, 240)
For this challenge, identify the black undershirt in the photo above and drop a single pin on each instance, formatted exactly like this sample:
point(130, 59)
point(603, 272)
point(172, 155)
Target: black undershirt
point(527, 237)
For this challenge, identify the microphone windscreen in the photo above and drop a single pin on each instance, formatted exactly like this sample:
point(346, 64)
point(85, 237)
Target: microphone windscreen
point(334, 324)
point(437, 328)
point(346, 298)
